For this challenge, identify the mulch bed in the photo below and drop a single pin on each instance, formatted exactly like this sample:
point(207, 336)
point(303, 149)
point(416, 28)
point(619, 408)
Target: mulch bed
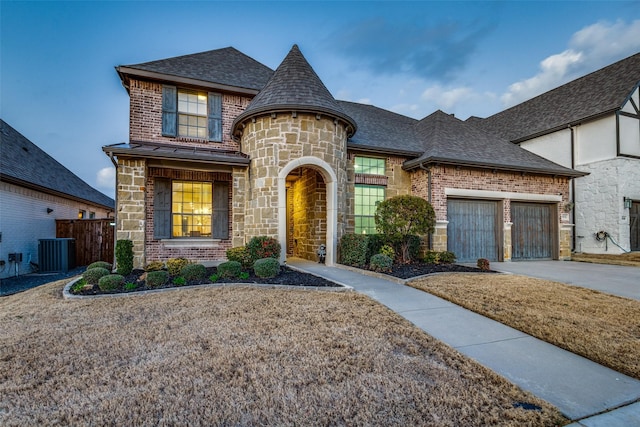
point(287, 276)
point(407, 271)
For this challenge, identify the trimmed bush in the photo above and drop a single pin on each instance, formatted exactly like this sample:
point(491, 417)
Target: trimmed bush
point(375, 242)
point(483, 264)
point(241, 255)
point(353, 249)
point(124, 257)
point(263, 247)
point(156, 278)
point(101, 264)
point(388, 251)
point(431, 257)
point(229, 269)
point(266, 268)
point(179, 281)
point(381, 263)
point(193, 272)
point(447, 257)
point(93, 275)
point(175, 265)
point(154, 266)
point(110, 282)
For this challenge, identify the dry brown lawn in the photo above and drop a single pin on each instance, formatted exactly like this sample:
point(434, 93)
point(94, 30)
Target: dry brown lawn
point(631, 259)
point(238, 356)
point(598, 326)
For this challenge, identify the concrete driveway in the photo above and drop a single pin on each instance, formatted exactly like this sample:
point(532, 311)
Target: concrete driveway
point(612, 279)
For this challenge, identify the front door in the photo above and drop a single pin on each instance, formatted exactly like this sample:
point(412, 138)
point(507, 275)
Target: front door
point(634, 219)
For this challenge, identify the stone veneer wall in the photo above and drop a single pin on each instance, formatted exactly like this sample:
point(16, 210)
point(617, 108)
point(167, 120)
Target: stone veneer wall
point(145, 120)
point(130, 215)
point(309, 213)
point(273, 142)
point(599, 202)
point(483, 179)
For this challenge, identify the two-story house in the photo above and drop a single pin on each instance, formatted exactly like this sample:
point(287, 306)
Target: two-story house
point(591, 124)
point(222, 148)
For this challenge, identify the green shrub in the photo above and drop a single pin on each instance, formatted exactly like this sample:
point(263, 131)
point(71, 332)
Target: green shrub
point(266, 268)
point(101, 264)
point(263, 247)
point(403, 216)
point(375, 242)
point(483, 264)
point(447, 257)
point(77, 287)
point(240, 254)
point(381, 263)
point(124, 257)
point(388, 251)
point(431, 257)
point(93, 275)
point(229, 269)
point(353, 249)
point(154, 266)
point(110, 282)
point(175, 265)
point(130, 286)
point(193, 272)
point(156, 278)
point(244, 275)
point(214, 278)
point(179, 281)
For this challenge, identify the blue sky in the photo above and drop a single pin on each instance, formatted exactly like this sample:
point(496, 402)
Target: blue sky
point(58, 86)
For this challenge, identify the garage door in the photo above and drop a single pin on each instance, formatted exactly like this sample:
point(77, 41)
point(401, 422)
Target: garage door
point(533, 231)
point(472, 231)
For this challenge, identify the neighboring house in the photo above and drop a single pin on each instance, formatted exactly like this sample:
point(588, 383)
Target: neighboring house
point(222, 149)
point(591, 124)
point(35, 190)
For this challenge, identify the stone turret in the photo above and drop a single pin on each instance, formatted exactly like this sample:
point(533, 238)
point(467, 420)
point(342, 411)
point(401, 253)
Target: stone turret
point(296, 136)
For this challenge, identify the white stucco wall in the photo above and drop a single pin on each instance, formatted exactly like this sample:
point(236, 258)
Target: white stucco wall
point(595, 141)
point(599, 203)
point(555, 146)
point(24, 220)
point(629, 127)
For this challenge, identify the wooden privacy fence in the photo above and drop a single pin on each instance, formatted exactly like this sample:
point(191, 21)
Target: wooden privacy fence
point(94, 238)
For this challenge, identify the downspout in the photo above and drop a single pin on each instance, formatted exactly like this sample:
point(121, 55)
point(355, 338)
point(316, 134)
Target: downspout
point(115, 209)
point(428, 170)
point(573, 190)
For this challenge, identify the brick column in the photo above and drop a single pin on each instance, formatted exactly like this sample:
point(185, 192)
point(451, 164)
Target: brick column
point(440, 236)
point(130, 216)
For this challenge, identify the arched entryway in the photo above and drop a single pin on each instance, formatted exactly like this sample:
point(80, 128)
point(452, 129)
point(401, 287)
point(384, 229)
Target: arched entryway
point(307, 214)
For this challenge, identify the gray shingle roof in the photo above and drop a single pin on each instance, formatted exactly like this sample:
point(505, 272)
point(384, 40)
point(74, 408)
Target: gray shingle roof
point(600, 92)
point(24, 163)
point(382, 130)
point(294, 87)
point(226, 66)
point(447, 139)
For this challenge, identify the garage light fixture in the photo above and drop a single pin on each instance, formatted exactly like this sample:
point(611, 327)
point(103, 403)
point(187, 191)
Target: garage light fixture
point(627, 202)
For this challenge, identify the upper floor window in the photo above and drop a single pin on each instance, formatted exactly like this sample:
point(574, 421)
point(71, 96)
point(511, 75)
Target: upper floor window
point(191, 114)
point(369, 165)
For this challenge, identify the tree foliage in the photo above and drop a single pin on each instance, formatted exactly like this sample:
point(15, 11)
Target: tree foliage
point(403, 216)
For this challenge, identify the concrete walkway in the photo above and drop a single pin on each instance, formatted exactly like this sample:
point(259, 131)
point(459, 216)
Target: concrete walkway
point(579, 388)
point(612, 279)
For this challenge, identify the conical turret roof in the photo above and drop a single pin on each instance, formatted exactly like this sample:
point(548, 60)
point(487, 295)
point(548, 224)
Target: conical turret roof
point(295, 87)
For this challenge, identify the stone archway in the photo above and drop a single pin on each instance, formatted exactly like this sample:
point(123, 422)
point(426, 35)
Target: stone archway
point(330, 182)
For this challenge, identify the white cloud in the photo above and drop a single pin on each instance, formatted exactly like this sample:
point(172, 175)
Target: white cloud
point(591, 48)
point(447, 99)
point(106, 178)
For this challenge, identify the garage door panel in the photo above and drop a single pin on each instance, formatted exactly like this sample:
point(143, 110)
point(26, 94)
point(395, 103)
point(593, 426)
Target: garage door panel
point(532, 231)
point(472, 231)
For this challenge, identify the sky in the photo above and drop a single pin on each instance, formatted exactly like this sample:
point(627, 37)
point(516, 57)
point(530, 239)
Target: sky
point(59, 87)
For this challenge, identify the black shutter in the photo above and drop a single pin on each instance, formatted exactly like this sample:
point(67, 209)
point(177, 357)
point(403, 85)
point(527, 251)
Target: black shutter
point(162, 208)
point(169, 110)
point(215, 116)
point(220, 210)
